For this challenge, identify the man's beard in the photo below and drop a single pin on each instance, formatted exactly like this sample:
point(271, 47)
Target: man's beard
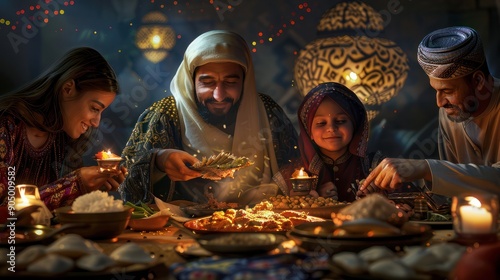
point(462, 115)
point(224, 120)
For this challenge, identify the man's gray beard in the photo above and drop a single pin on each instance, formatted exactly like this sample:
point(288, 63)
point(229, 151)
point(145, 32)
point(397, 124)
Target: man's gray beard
point(462, 116)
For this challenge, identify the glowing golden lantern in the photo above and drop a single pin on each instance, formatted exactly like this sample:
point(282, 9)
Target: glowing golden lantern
point(347, 51)
point(154, 37)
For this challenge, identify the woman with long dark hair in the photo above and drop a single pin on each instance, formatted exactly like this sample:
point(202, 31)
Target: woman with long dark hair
point(47, 125)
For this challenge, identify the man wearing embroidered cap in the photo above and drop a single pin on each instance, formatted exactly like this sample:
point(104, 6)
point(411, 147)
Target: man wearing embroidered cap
point(468, 98)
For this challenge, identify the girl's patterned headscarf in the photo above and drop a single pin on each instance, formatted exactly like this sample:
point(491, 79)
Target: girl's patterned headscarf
point(351, 105)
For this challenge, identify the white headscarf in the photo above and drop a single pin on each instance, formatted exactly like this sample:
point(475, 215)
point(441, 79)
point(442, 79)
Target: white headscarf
point(252, 135)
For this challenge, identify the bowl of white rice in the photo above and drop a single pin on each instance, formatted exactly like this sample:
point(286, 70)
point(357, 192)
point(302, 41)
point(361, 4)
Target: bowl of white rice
point(100, 214)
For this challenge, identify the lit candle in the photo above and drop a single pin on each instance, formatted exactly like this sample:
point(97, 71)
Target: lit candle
point(475, 219)
point(25, 200)
point(302, 174)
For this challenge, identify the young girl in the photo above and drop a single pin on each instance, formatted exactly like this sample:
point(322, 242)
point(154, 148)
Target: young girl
point(333, 140)
point(46, 127)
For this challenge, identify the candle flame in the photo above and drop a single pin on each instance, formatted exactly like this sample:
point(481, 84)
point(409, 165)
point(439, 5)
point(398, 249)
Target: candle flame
point(22, 192)
point(24, 200)
point(302, 174)
point(473, 201)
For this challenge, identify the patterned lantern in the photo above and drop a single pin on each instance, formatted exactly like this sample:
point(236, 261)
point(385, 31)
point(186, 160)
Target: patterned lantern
point(154, 37)
point(346, 52)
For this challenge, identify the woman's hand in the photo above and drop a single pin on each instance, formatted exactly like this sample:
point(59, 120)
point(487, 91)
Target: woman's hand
point(175, 164)
point(114, 182)
point(93, 179)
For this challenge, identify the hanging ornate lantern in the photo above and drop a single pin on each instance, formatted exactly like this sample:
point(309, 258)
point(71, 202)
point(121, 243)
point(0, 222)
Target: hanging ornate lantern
point(344, 52)
point(154, 37)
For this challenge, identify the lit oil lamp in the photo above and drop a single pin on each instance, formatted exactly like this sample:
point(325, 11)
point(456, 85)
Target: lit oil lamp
point(302, 183)
point(107, 161)
point(475, 217)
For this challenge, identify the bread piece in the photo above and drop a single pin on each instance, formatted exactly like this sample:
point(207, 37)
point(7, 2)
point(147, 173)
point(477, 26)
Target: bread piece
point(96, 261)
point(420, 259)
point(73, 246)
point(377, 253)
point(51, 265)
point(391, 269)
point(350, 262)
point(131, 253)
point(371, 206)
point(30, 255)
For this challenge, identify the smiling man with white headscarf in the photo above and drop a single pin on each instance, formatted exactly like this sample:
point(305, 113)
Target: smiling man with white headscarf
point(468, 97)
point(214, 107)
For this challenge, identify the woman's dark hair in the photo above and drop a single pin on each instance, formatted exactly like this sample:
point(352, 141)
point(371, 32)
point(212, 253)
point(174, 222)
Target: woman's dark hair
point(41, 97)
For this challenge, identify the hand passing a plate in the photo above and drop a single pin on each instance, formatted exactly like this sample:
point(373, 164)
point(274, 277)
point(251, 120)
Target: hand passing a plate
point(175, 164)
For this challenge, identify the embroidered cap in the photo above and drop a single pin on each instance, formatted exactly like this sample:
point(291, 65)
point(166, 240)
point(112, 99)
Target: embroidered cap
point(451, 52)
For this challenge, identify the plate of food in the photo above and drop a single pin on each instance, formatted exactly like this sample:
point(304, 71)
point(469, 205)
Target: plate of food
point(369, 221)
point(240, 243)
point(362, 229)
point(260, 218)
point(436, 220)
point(203, 210)
point(207, 209)
point(321, 207)
point(220, 166)
point(327, 236)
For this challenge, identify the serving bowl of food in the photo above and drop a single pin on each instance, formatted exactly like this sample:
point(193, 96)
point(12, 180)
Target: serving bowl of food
point(101, 216)
point(154, 222)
